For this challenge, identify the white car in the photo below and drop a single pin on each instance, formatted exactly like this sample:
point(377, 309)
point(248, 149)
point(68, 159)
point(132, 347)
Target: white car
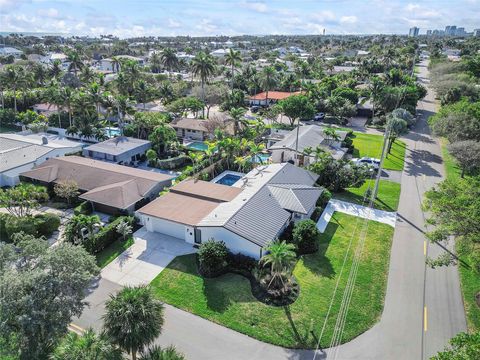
point(371, 163)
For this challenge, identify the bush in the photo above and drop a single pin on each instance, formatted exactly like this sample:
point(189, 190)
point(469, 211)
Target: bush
point(305, 236)
point(241, 263)
point(287, 234)
point(212, 258)
point(46, 224)
point(324, 198)
point(108, 234)
point(85, 208)
point(172, 163)
point(16, 224)
point(3, 231)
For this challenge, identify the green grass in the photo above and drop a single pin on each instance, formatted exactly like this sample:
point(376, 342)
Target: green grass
point(107, 255)
point(469, 280)
point(387, 198)
point(8, 129)
point(371, 146)
point(227, 300)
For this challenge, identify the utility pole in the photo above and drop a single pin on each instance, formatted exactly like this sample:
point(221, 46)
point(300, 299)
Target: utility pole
point(296, 143)
point(382, 158)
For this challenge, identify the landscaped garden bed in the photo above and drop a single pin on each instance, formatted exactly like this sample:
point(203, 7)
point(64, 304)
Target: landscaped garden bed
point(228, 299)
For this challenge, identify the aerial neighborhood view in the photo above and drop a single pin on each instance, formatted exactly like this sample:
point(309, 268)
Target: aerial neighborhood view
point(212, 179)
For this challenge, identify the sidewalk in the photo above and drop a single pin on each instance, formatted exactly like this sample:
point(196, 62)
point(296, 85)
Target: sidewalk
point(364, 212)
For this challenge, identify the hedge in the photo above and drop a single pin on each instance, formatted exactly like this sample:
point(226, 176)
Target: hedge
point(38, 225)
point(107, 234)
point(85, 208)
point(172, 163)
point(46, 224)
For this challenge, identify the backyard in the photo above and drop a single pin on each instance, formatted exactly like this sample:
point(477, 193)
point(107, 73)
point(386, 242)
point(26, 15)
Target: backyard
point(387, 198)
point(228, 300)
point(371, 146)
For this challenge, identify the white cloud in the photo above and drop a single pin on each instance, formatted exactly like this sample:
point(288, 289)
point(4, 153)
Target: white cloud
point(324, 15)
point(348, 19)
point(256, 6)
point(173, 24)
point(50, 13)
point(412, 7)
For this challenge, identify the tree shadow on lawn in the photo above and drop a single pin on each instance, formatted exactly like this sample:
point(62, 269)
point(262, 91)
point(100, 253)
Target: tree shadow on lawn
point(359, 199)
point(317, 262)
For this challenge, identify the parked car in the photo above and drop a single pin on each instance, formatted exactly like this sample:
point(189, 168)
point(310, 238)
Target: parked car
point(371, 163)
point(319, 116)
point(254, 109)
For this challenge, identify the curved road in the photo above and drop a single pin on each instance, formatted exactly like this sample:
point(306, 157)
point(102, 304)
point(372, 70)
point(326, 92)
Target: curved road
point(423, 307)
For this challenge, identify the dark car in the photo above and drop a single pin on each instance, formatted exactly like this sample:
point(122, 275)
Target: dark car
point(254, 109)
point(319, 116)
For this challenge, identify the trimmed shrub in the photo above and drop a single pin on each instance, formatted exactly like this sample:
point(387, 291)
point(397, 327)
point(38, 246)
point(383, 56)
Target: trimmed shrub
point(241, 263)
point(108, 234)
point(287, 233)
point(85, 208)
point(212, 258)
point(324, 198)
point(305, 236)
point(172, 163)
point(46, 224)
point(16, 224)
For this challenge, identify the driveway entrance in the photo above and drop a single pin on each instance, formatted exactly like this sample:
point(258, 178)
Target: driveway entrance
point(145, 259)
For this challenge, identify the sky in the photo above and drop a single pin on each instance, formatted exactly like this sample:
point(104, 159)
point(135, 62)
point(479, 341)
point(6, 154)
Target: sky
point(132, 18)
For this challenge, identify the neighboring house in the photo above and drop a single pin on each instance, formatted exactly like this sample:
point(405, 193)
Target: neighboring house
point(121, 150)
point(19, 153)
point(10, 51)
point(262, 99)
point(309, 136)
point(219, 53)
point(246, 216)
point(364, 107)
point(46, 109)
point(50, 58)
point(191, 129)
point(111, 188)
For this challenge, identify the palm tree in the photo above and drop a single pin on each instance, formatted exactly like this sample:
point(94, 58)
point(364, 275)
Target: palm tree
point(268, 80)
point(65, 97)
point(86, 75)
point(76, 63)
point(280, 256)
point(237, 116)
point(203, 66)
point(13, 78)
point(56, 69)
point(142, 92)
point(169, 59)
point(157, 353)
point(95, 92)
point(233, 58)
point(155, 62)
point(115, 64)
point(88, 346)
point(133, 319)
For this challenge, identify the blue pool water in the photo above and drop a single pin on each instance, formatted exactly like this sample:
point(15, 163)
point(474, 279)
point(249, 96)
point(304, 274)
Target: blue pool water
point(228, 179)
point(197, 145)
point(112, 132)
point(261, 158)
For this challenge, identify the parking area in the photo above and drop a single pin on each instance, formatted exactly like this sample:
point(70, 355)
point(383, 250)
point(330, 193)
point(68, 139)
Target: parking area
point(145, 259)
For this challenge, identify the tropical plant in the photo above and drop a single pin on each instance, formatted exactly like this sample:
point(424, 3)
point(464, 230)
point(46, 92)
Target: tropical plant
point(157, 353)
point(133, 319)
point(66, 189)
point(169, 59)
point(22, 199)
point(234, 59)
point(75, 60)
point(237, 115)
point(203, 66)
point(268, 80)
point(124, 228)
point(12, 76)
point(280, 257)
point(463, 346)
point(297, 107)
point(395, 127)
point(80, 229)
point(162, 137)
point(87, 346)
point(305, 236)
point(212, 257)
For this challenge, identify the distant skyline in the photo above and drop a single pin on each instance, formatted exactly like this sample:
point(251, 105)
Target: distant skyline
point(209, 18)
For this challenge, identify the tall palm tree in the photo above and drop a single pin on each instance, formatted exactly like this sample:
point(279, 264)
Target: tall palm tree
point(88, 346)
point(157, 353)
point(56, 69)
point(133, 319)
point(203, 66)
point(13, 77)
point(86, 75)
point(142, 92)
point(280, 257)
point(75, 60)
point(169, 59)
point(95, 92)
point(234, 59)
point(115, 64)
point(155, 62)
point(65, 97)
point(268, 80)
point(237, 115)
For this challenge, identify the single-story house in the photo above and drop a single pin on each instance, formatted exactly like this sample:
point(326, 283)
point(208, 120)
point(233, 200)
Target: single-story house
point(309, 136)
point(246, 216)
point(121, 150)
point(19, 153)
point(10, 51)
point(191, 129)
point(111, 188)
point(265, 99)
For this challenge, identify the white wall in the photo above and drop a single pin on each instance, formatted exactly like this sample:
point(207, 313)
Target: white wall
point(164, 226)
point(234, 242)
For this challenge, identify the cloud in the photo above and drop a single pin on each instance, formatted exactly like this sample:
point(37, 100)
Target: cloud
point(352, 19)
point(255, 6)
point(50, 13)
point(412, 7)
point(173, 24)
point(324, 15)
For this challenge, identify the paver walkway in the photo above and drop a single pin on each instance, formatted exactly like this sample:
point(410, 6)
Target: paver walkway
point(364, 212)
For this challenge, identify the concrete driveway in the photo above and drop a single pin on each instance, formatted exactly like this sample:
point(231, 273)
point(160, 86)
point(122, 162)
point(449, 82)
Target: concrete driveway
point(145, 259)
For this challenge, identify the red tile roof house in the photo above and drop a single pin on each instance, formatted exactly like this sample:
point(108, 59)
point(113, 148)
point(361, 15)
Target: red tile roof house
point(261, 99)
point(111, 188)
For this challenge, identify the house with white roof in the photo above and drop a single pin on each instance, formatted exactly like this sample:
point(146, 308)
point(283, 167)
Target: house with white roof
point(19, 153)
point(246, 216)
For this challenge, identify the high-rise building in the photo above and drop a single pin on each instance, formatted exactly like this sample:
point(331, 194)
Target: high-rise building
point(476, 32)
point(413, 31)
point(429, 32)
point(451, 30)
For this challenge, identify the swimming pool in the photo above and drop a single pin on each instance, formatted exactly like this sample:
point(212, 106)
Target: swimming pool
point(261, 158)
point(197, 145)
point(112, 132)
point(228, 178)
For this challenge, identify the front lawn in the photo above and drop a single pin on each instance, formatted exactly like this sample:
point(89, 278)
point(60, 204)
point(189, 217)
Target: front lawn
point(107, 255)
point(371, 146)
point(387, 198)
point(228, 300)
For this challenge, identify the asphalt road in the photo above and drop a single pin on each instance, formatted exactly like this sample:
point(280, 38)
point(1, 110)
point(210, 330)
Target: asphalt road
point(423, 307)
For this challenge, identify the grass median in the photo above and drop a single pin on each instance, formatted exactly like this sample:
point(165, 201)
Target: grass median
point(227, 300)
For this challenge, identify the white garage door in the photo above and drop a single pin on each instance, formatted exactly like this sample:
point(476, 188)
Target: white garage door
point(167, 227)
